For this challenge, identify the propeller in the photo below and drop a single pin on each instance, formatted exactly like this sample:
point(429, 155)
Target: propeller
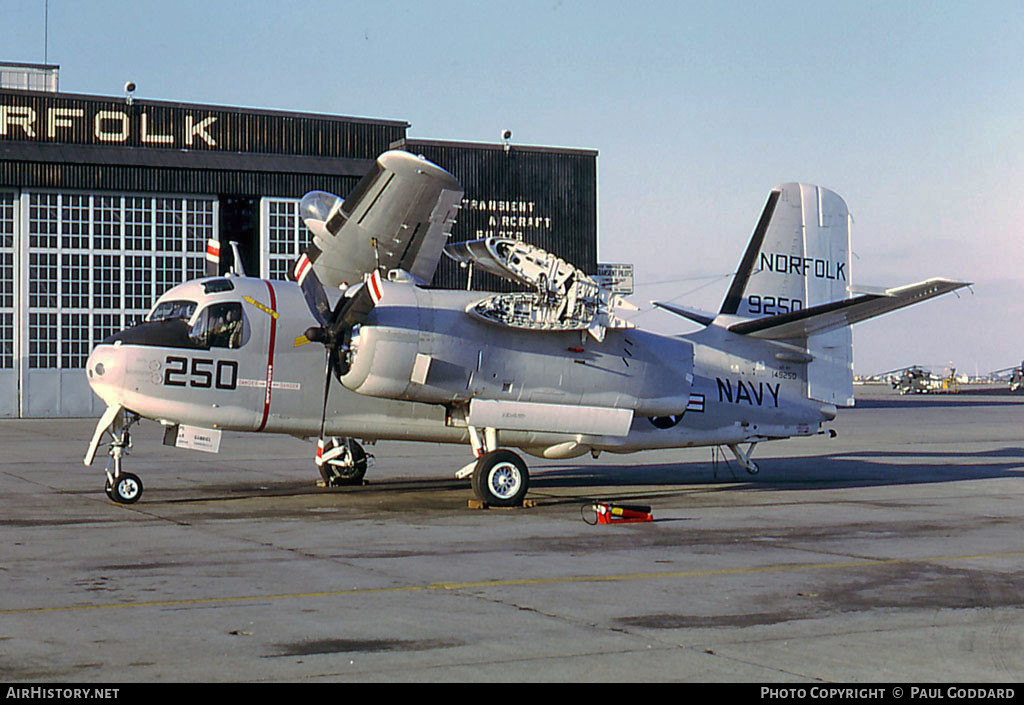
point(395, 219)
point(322, 213)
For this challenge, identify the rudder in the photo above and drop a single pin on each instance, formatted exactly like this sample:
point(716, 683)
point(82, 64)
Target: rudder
point(798, 257)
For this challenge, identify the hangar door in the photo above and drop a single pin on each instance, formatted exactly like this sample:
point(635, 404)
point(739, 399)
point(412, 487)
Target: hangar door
point(89, 265)
point(8, 372)
point(283, 236)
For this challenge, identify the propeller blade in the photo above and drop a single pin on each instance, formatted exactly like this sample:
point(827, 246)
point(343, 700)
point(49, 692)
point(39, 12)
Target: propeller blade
point(316, 209)
point(212, 267)
point(312, 290)
point(356, 308)
point(323, 412)
point(327, 392)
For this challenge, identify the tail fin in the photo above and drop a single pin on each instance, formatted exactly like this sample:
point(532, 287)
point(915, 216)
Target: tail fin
point(794, 285)
point(799, 258)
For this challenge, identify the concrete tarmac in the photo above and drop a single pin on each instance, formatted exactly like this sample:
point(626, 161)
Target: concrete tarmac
point(892, 553)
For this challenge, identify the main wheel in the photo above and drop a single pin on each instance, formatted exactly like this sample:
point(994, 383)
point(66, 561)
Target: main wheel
point(336, 475)
point(127, 488)
point(501, 479)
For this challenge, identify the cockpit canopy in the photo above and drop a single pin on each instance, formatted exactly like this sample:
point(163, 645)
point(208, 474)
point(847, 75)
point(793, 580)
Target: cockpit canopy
point(186, 323)
point(172, 310)
point(219, 325)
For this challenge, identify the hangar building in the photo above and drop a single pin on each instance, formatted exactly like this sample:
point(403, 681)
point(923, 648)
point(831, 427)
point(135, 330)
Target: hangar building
point(106, 202)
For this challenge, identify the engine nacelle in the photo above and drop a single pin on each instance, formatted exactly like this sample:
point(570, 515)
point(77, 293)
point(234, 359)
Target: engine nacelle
point(386, 362)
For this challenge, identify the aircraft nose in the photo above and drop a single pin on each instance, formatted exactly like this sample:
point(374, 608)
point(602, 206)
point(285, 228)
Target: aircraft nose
point(105, 370)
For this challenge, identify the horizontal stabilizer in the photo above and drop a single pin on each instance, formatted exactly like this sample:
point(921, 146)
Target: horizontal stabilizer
point(696, 316)
point(838, 314)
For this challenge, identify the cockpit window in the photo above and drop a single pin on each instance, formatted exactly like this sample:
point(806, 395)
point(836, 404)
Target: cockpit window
point(219, 326)
point(173, 310)
point(216, 286)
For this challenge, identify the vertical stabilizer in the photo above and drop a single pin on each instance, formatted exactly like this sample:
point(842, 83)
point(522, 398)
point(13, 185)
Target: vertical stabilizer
point(798, 257)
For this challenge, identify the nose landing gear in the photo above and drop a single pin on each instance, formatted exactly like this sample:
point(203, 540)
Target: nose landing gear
point(126, 488)
point(121, 487)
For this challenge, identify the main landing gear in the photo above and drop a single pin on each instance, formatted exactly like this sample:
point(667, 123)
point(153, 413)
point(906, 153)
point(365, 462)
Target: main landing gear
point(499, 477)
point(342, 462)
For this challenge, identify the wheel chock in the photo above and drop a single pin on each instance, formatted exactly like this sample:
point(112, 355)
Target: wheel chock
point(480, 504)
point(622, 513)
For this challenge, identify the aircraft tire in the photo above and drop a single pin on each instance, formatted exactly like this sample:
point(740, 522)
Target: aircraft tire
point(501, 479)
point(127, 489)
point(340, 476)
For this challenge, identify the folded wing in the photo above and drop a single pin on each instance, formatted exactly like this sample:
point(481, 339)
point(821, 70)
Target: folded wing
point(398, 217)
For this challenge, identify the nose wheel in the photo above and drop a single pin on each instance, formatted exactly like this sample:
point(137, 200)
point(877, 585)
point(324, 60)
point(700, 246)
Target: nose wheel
point(125, 489)
point(121, 487)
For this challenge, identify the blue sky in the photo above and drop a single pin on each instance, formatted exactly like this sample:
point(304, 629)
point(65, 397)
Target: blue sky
point(913, 112)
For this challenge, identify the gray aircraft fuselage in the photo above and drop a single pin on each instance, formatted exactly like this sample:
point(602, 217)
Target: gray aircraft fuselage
point(707, 388)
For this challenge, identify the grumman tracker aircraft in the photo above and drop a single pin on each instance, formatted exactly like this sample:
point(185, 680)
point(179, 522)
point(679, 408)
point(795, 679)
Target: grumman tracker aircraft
point(358, 347)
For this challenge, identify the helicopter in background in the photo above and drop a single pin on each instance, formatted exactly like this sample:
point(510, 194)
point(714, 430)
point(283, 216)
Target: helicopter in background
point(1014, 376)
point(917, 379)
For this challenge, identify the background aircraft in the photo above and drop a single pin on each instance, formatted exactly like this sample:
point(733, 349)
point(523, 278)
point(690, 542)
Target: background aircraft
point(1014, 376)
point(919, 380)
point(359, 347)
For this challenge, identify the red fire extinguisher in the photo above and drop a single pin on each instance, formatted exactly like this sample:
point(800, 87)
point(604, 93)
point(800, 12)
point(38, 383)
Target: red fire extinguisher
point(607, 513)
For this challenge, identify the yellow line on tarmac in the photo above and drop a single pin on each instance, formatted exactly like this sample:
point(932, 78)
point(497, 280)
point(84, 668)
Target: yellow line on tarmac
point(514, 582)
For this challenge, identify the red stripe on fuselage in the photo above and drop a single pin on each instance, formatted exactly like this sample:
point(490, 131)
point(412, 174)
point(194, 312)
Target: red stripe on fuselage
point(270, 358)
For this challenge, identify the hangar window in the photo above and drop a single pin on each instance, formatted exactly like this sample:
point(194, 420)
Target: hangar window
point(106, 282)
point(169, 272)
point(138, 282)
point(97, 261)
point(42, 340)
point(138, 221)
point(168, 212)
point(6, 341)
point(107, 223)
point(6, 281)
point(75, 347)
point(284, 235)
point(219, 326)
point(198, 226)
point(105, 325)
